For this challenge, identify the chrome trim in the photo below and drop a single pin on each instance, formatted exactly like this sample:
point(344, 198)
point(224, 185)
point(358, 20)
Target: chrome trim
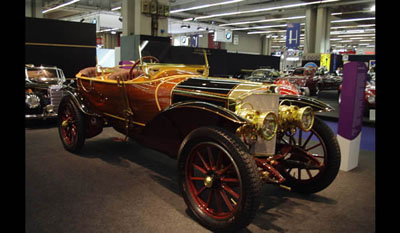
point(302, 101)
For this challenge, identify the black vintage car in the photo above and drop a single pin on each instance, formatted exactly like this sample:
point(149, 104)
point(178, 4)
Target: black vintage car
point(327, 80)
point(42, 91)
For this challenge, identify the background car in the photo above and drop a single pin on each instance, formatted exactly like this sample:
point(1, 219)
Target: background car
point(327, 80)
point(304, 77)
point(271, 76)
point(42, 91)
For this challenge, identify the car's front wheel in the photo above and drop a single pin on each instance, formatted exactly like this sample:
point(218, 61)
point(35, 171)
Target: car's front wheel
point(218, 179)
point(71, 125)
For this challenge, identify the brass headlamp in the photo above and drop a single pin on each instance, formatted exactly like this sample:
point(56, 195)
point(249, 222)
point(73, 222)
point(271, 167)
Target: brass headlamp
point(266, 123)
point(293, 116)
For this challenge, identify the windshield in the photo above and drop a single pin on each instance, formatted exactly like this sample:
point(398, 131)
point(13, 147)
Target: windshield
point(42, 75)
point(261, 73)
point(298, 72)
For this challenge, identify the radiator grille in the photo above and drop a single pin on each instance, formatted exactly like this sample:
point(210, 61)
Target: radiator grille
point(55, 94)
point(264, 103)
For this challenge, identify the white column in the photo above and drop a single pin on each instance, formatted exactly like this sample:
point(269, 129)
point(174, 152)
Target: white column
point(323, 28)
point(309, 34)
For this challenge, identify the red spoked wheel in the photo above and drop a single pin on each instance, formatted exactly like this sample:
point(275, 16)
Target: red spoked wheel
point(218, 179)
point(71, 126)
point(213, 180)
point(311, 159)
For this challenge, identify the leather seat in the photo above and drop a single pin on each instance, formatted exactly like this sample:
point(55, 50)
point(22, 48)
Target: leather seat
point(123, 74)
point(88, 72)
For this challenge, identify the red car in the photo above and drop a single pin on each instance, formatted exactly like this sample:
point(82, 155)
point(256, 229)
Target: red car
point(270, 76)
point(304, 77)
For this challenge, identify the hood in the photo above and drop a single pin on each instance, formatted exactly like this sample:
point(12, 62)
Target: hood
point(298, 80)
point(219, 91)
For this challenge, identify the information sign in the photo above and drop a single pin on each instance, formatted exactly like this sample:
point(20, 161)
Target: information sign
point(293, 35)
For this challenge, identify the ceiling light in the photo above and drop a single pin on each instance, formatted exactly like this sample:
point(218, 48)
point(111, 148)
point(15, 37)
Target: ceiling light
point(59, 6)
point(352, 20)
point(116, 8)
point(354, 26)
point(259, 27)
point(264, 9)
point(357, 35)
point(261, 21)
point(205, 6)
point(372, 8)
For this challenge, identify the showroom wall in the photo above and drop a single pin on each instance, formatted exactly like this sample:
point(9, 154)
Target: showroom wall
point(248, 44)
point(68, 45)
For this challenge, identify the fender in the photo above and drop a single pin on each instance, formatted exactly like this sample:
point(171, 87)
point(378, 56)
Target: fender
point(79, 100)
point(169, 128)
point(302, 101)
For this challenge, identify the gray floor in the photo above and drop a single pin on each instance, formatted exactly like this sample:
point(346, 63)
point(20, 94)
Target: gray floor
point(114, 186)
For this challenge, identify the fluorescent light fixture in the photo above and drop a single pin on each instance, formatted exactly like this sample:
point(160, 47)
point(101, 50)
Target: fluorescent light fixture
point(59, 6)
point(355, 26)
point(116, 8)
point(262, 21)
point(346, 41)
point(356, 35)
point(259, 27)
point(205, 6)
point(352, 20)
point(264, 9)
point(372, 8)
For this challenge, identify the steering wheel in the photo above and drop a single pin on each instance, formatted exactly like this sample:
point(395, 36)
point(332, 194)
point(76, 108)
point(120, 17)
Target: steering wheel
point(151, 58)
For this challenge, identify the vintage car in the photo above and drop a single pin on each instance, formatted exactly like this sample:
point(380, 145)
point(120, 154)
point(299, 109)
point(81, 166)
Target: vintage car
point(305, 78)
point(327, 80)
point(42, 91)
point(228, 135)
point(271, 76)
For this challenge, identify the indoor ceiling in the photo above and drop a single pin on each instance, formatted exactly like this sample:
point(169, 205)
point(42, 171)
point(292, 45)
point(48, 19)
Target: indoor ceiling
point(352, 21)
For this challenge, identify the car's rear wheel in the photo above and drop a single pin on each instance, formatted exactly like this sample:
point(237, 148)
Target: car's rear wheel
point(218, 179)
point(71, 125)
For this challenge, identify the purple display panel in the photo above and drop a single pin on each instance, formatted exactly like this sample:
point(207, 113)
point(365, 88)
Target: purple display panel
point(352, 100)
point(125, 63)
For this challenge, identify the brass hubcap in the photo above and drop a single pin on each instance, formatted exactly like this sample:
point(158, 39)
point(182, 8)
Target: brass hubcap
point(208, 181)
point(64, 124)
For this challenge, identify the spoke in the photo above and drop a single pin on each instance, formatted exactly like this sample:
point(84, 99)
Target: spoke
point(308, 139)
point(210, 195)
point(199, 168)
point(197, 178)
point(299, 171)
point(300, 136)
point(235, 180)
point(225, 169)
point(313, 147)
point(218, 201)
point(291, 139)
point(230, 191)
point(204, 162)
point(226, 200)
point(309, 173)
point(201, 190)
point(210, 158)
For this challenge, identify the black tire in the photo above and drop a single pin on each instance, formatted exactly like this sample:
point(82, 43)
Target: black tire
point(330, 160)
point(239, 163)
point(71, 125)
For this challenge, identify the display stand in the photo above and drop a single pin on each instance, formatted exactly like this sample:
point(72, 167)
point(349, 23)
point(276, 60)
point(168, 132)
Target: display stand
point(351, 113)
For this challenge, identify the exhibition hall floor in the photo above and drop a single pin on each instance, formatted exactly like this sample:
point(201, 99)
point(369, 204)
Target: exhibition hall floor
point(115, 186)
